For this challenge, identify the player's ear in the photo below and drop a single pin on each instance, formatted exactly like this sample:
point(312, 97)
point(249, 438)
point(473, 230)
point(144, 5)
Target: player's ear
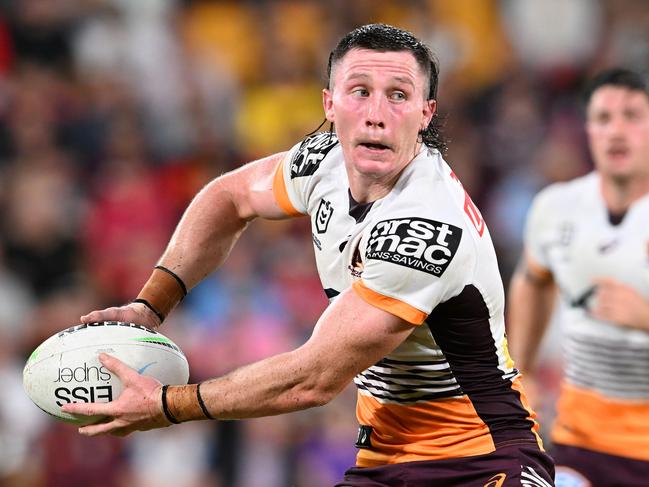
point(430, 107)
point(327, 104)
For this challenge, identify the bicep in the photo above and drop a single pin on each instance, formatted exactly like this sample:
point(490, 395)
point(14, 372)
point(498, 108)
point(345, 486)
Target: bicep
point(352, 335)
point(531, 286)
point(251, 188)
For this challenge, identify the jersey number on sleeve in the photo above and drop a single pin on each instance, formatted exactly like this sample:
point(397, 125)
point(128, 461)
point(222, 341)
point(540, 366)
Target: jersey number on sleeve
point(471, 209)
point(473, 213)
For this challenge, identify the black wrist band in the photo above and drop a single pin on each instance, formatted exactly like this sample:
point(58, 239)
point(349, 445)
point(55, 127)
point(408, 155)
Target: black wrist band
point(165, 407)
point(175, 276)
point(160, 316)
point(201, 403)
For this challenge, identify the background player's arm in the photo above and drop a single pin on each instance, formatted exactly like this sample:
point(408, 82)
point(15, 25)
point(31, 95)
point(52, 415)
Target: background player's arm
point(209, 228)
point(350, 336)
point(531, 300)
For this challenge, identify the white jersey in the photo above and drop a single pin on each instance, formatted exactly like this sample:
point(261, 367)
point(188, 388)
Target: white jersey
point(605, 398)
point(423, 253)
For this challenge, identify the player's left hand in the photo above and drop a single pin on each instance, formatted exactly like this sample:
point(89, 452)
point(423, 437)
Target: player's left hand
point(621, 304)
point(138, 407)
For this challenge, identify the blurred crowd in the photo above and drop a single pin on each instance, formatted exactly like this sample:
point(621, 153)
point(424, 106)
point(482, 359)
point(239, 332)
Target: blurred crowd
point(113, 113)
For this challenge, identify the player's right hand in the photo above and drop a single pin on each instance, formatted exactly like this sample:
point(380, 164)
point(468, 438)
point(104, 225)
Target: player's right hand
point(129, 313)
point(138, 407)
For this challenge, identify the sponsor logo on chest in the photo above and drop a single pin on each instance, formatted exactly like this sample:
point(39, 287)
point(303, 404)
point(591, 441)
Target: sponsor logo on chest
point(417, 243)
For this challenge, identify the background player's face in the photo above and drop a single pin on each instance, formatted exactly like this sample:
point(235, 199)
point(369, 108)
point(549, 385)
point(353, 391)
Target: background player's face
point(617, 125)
point(378, 104)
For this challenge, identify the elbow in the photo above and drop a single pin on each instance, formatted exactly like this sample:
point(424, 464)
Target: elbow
point(318, 399)
point(322, 393)
point(234, 190)
point(320, 378)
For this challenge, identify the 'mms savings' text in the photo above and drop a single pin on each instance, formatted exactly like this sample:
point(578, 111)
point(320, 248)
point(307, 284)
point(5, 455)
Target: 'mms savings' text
point(418, 243)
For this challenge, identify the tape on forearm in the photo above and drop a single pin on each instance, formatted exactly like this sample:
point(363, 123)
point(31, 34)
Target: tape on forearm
point(201, 403)
point(182, 403)
point(165, 406)
point(162, 292)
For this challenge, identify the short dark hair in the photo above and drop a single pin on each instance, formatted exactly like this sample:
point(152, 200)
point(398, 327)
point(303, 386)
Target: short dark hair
point(383, 37)
point(620, 77)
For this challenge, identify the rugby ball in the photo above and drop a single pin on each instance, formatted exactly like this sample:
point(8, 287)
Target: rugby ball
point(65, 368)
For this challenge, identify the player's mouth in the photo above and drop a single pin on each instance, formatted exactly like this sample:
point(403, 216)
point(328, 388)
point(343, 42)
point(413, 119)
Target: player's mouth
point(375, 146)
point(617, 152)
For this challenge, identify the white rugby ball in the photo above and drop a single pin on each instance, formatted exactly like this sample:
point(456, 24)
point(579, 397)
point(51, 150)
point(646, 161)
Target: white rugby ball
point(65, 368)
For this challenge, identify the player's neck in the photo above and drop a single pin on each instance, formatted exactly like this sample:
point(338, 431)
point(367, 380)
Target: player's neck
point(367, 187)
point(368, 191)
point(620, 194)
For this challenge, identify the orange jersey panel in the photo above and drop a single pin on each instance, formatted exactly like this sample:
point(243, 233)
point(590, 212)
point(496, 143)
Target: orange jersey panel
point(517, 385)
point(587, 419)
point(423, 431)
point(391, 305)
point(280, 192)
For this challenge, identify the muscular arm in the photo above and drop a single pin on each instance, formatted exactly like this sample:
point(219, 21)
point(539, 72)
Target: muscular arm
point(531, 299)
point(216, 217)
point(209, 228)
point(349, 337)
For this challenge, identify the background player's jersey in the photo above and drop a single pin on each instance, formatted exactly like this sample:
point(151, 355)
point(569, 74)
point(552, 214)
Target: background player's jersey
point(423, 253)
point(605, 396)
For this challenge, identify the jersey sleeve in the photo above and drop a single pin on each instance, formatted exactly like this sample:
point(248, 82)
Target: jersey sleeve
point(297, 173)
point(413, 264)
point(285, 194)
point(538, 229)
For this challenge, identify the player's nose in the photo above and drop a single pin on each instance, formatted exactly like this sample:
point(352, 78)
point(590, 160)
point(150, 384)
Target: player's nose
point(618, 127)
point(375, 114)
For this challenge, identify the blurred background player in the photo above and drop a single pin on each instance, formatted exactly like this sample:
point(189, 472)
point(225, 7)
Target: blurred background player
point(588, 239)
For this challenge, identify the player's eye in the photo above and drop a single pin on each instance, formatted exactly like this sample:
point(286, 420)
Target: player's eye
point(398, 96)
point(632, 115)
point(601, 118)
point(360, 92)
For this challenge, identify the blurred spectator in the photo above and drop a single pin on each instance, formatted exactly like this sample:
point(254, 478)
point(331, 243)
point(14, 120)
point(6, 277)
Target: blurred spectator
point(40, 222)
point(552, 34)
point(71, 460)
point(155, 459)
point(128, 220)
point(40, 31)
point(470, 42)
point(226, 34)
point(626, 41)
point(20, 421)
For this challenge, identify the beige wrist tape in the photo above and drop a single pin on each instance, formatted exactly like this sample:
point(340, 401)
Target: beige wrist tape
point(162, 292)
point(183, 404)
